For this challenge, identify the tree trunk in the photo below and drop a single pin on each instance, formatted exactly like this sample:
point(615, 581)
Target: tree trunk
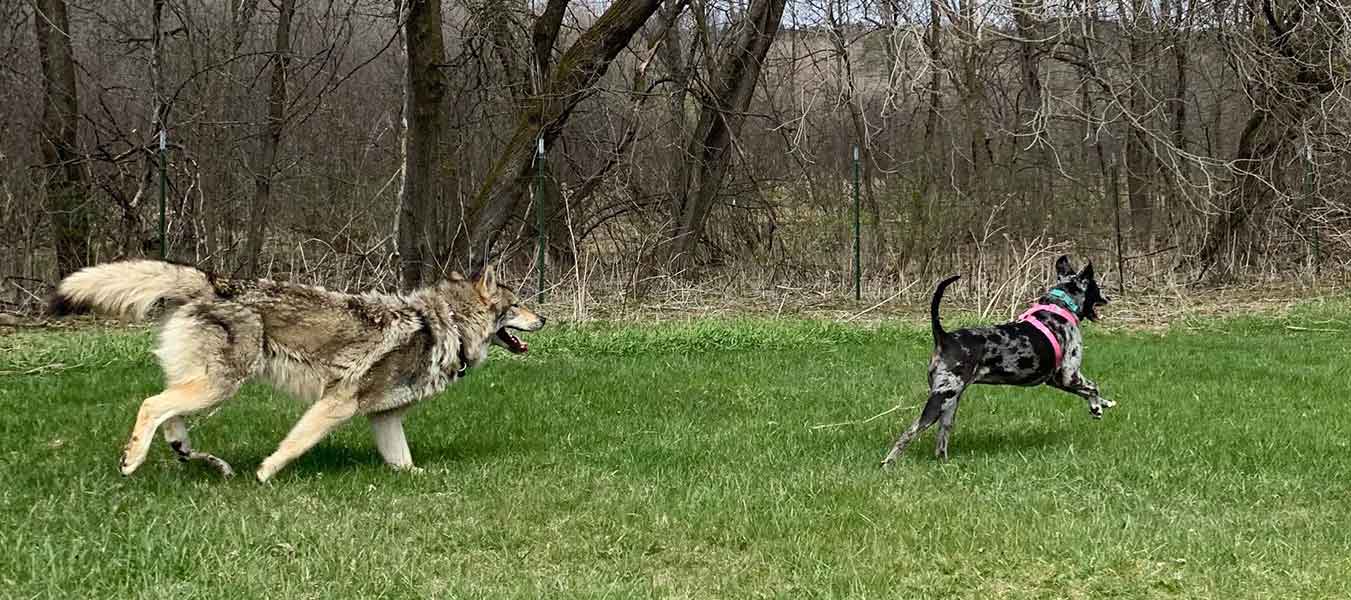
point(1180, 45)
point(1255, 161)
point(1139, 158)
point(1031, 129)
point(1282, 106)
point(499, 19)
point(934, 41)
point(723, 111)
point(134, 241)
point(424, 171)
point(513, 171)
point(544, 34)
point(59, 138)
point(669, 51)
point(525, 75)
point(268, 141)
point(973, 94)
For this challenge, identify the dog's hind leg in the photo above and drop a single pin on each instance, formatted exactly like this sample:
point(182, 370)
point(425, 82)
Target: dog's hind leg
point(206, 351)
point(181, 398)
point(176, 433)
point(933, 409)
point(390, 441)
point(324, 416)
point(945, 423)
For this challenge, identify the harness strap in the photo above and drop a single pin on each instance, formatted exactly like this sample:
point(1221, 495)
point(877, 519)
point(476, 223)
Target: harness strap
point(1029, 316)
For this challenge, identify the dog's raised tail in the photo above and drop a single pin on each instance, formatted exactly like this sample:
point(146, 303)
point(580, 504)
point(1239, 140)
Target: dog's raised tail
point(933, 307)
point(129, 289)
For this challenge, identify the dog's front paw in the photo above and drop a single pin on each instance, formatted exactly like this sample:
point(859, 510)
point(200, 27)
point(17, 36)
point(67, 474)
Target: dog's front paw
point(265, 473)
point(125, 465)
point(1107, 403)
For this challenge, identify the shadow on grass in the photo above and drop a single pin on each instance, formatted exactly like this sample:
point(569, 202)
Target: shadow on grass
point(335, 458)
point(1004, 441)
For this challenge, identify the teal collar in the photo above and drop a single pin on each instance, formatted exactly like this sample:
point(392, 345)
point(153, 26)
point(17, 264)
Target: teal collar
point(1062, 296)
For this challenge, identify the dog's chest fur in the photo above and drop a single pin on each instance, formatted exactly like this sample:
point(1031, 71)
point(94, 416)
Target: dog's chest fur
point(1011, 354)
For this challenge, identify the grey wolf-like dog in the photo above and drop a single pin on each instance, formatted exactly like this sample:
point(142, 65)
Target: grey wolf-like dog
point(347, 354)
point(1015, 353)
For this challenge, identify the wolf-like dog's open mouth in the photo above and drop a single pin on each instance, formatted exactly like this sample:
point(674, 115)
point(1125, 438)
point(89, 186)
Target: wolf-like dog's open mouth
point(513, 343)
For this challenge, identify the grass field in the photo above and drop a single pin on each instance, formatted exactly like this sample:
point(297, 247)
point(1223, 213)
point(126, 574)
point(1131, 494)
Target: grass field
point(681, 461)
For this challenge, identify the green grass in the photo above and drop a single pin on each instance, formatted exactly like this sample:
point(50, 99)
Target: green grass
point(680, 461)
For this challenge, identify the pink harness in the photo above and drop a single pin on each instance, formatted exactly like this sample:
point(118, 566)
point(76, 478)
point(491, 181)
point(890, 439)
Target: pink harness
point(1027, 317)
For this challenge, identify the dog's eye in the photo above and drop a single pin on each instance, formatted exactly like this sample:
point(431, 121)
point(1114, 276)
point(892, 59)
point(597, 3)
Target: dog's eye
point(515, 305)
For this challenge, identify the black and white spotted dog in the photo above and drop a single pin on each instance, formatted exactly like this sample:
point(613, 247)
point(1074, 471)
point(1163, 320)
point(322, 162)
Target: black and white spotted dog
point(1042, 346)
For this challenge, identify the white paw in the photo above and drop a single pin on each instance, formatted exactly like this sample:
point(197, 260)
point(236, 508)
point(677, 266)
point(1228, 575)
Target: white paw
point(127, 467)
point(265, 473)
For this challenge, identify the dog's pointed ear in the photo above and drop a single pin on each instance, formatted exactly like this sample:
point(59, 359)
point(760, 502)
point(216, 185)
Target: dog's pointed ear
point(1062, 266)
point(485, 281)
point(1087, 273)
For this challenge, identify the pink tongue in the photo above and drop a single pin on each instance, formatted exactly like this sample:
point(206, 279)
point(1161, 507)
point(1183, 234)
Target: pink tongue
point(516, 344)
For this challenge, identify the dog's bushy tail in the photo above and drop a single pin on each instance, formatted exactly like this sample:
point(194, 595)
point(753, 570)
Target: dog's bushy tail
point(129, 289)
point(933, 308)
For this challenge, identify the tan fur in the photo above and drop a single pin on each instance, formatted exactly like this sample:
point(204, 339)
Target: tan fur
point(130, 289)
point(182, 398)
point(369, 354)
point(322, 417)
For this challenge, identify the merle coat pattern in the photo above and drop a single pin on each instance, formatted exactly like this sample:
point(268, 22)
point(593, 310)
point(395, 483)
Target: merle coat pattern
point(1014, 353)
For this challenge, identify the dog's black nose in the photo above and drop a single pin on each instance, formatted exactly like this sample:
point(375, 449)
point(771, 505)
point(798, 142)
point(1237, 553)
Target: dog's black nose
point(542, 321)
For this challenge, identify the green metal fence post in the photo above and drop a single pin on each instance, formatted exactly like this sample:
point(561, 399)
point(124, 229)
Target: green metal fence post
point(163, 240)
point(539, 217)
point(858, 263)
point(1308, 203)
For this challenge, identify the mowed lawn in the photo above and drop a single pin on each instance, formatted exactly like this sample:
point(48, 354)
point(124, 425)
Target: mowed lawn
point(683, 460)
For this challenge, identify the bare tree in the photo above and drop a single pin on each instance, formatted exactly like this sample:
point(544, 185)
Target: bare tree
point(1215, 130)
point(1139, 158)
point(269, 139)
point(585, 61)
point(59, 138)
point(1032, 110)
point(1297, 58)
point(422, 196)
point(723, 110)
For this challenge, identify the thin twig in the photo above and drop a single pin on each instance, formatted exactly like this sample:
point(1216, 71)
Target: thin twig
point(39, 369)
point(889, 299)
point(872, 418)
